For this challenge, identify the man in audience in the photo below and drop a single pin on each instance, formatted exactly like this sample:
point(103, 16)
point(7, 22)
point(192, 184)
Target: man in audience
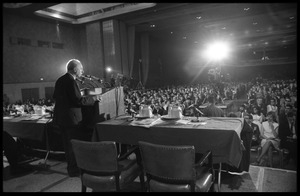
point(288, 135)
point(212, 110)
point(262, 108)
point(241, 112)
point(255, 129)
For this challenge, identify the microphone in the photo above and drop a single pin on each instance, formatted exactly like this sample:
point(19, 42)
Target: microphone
point(86, 77)
point(81, 81)
point(93, 77)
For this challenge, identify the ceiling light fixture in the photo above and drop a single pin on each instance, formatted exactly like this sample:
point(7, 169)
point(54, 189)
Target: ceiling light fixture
point(99, 11)
point(255, 23)
point(152, 26)
point(246, 9)
point(198, 17)
point(292, 17)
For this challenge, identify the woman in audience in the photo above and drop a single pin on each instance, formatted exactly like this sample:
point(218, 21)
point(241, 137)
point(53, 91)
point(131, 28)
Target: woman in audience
point(270, 139)
point(257, 117)
point(272, 107)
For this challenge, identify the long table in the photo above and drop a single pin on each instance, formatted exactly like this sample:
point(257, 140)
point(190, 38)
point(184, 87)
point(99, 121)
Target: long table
point(220, 135)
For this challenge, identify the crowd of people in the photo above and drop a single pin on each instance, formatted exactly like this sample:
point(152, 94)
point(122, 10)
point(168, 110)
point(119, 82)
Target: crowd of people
point(26, 107)
point(188, 97)
point(270, 108)
point(273, 107)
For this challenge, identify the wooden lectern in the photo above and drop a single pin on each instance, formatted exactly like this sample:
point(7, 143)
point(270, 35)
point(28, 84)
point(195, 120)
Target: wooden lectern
point(111, 105)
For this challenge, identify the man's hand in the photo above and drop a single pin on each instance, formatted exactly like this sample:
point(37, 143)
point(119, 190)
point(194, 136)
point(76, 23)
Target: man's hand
point(98, 98)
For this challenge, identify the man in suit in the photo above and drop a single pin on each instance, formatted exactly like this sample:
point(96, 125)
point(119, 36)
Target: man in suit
point(67, 111)
point(255, 129)
point(288, 135)
point(212, 110)
point(241, 112)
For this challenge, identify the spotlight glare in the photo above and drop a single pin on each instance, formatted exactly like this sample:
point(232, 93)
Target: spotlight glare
point(108, 69)
point(217, 51)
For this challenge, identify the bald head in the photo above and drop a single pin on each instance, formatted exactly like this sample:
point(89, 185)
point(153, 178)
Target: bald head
point(74, 67)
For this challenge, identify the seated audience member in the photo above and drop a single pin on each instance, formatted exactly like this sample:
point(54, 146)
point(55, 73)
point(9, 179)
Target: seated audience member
point(283, 115)
point(256, 133)
point(157, 109)
point(257, 117)
point(232, 114)
point(261, 107)
point(188, 109)
point(272, 107)
point(247, 107)
point(270, 139)
point(12, 151)
point(212, 110)
point(288, 135)
point(241, 112)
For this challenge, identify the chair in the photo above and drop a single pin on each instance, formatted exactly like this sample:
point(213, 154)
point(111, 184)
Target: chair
point(281, 152)
point(101, 169)
point(173, 168)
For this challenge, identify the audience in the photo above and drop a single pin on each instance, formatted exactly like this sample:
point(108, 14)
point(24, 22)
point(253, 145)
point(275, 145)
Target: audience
point(288, 135)
point(270, 139)
point(257, 117)
point(263, 97)
point(255, 129)
point(272, 107)
point(212, 110)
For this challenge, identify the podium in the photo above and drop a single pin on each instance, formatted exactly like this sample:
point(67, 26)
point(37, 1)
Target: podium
point(112, 103)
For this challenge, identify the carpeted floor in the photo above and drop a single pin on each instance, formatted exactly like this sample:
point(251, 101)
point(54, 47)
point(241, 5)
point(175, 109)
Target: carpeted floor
point(260, 179)
point(55, 179)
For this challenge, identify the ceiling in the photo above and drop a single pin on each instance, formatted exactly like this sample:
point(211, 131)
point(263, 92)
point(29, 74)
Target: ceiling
point(254, 27)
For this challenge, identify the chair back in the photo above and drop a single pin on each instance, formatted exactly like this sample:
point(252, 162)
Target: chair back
point(168, 162)
point(95, 156)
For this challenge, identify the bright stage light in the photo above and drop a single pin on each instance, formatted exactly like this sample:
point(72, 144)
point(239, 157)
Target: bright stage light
point(217, 51)
point(108, 69)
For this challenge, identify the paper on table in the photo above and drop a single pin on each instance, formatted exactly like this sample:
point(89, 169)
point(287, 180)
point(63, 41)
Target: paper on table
point(8, 117)
point(146, 122)
point(182, 121)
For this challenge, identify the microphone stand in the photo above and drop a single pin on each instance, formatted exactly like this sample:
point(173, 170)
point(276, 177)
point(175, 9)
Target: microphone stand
point(197, 114)
point(94, 78)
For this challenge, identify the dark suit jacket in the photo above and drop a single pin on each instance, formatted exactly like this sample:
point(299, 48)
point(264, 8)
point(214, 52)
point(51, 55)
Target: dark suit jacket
point(284, 130)
point(68, 101)
point(213, 111)
point(256, 134)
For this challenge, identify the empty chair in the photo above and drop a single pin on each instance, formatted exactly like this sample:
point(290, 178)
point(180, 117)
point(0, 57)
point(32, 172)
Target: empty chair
point(173, 168)
point(101, 169)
